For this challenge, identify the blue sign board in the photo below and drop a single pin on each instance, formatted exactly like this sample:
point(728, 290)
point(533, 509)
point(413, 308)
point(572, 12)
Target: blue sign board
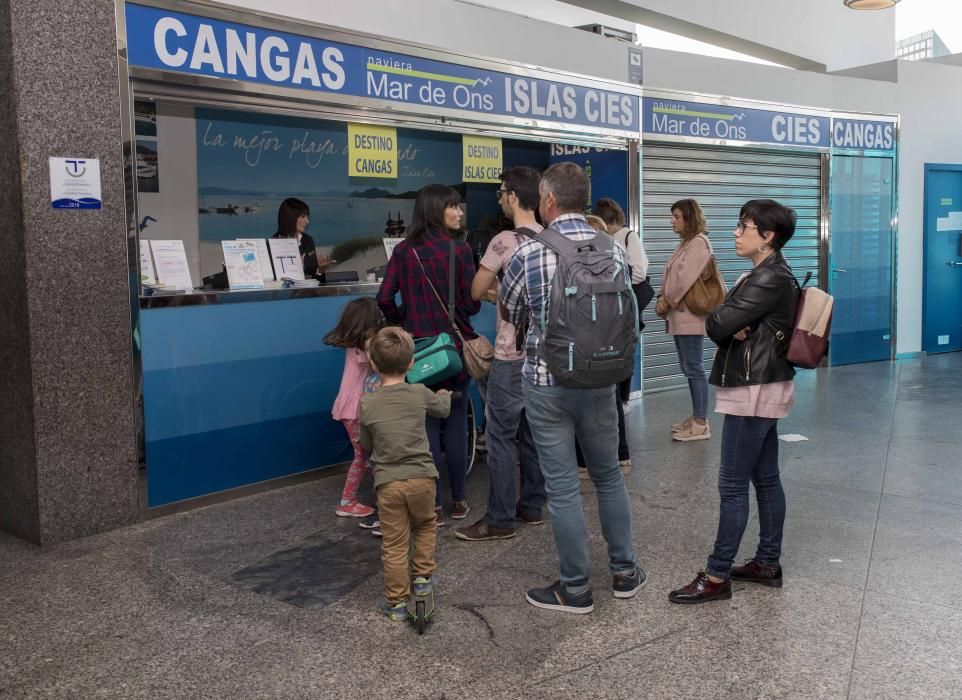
point(863, 134)
point(185, 43)
point(666, 117)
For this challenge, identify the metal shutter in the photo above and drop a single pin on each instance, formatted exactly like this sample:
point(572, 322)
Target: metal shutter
point(721, 179)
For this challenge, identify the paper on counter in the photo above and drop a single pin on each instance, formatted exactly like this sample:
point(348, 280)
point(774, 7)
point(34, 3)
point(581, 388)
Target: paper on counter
point(286, 256)
point(171, 263)
point(243, 267)
point(263, 257)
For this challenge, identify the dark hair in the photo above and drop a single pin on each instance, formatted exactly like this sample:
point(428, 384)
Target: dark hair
point(392, 350)
point(569, 184)
point(288, 213)
point(769, 215)
point(358, 320)
point(523, 181)
point(694, 218)
point(429, 206)
point(609, 211)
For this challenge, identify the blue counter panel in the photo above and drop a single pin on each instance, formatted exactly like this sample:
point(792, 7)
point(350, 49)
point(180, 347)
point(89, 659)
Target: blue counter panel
point(240, 393)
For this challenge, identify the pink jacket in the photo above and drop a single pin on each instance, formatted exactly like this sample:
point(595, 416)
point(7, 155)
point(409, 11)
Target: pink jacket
point(685, 265)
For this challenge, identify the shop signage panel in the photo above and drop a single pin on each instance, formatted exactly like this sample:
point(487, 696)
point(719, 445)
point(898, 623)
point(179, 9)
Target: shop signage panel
point(711, 122)
point(863, 134)
point(184, 43)
point(482, 158)
point(371, 151)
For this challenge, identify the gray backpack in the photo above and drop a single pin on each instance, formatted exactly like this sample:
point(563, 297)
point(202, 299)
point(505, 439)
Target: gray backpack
point(589, 337)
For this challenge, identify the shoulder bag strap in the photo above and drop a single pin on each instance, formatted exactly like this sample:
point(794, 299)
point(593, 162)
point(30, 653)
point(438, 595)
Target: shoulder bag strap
point(450, 306)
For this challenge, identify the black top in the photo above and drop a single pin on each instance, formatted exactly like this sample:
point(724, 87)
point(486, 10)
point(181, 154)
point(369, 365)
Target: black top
point(308, 253)
point(767, 293)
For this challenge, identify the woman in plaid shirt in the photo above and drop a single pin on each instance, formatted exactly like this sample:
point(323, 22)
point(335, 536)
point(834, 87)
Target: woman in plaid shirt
point(435, 224)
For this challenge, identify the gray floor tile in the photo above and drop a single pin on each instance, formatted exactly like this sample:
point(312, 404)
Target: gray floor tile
point(924, 469)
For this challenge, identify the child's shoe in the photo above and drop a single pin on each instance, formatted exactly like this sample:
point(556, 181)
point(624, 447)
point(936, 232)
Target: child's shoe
point(439, 516)
point(354, 509)
point(370, 522)
point(422, 585)
point(397, 612)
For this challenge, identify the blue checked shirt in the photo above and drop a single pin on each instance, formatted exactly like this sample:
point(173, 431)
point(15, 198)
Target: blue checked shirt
point(527, 287)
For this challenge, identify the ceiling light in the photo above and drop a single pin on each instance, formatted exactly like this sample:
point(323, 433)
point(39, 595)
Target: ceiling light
point(870, 4)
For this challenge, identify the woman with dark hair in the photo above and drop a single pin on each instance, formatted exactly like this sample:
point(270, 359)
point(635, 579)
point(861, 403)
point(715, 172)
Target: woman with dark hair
point(686, 265)
point(293, 218)
point(425, 254)
point(754, 389)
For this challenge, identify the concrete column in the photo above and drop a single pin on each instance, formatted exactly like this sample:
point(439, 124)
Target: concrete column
point(68, 461)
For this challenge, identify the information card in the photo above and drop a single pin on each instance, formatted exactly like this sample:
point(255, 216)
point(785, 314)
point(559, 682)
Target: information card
point(243, 267)
point(147, 275)
point(286, 256)
point(263, 257)
point(171, 263)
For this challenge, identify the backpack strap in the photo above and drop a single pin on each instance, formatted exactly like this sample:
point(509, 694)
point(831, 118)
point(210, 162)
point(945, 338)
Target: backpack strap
point(563, 246)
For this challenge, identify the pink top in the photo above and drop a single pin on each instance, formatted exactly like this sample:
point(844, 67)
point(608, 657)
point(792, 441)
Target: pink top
point(684, 267)
point(347, 405)
point(773, 400)
point(496, 258)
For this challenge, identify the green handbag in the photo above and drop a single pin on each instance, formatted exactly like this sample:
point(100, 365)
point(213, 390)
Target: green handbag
point(435, 359)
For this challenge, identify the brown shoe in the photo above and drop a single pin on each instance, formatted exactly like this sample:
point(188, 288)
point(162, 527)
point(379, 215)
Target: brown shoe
point(702, 590)
point(481, 532)
point(694, 431)
point(756, 572)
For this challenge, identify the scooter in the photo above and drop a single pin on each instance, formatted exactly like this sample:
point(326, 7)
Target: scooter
point(421, 603)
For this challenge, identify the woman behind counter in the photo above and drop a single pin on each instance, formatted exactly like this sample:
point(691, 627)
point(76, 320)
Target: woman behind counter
point(435, 223)
point(293, 218)
point(754, 389)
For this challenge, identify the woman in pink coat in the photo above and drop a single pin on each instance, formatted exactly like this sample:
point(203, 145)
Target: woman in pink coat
point(686, 264)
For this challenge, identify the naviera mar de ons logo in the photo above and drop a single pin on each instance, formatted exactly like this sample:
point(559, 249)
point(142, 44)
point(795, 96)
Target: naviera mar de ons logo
point(396, 78)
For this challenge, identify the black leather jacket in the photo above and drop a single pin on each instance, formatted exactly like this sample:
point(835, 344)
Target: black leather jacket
point(764, 301)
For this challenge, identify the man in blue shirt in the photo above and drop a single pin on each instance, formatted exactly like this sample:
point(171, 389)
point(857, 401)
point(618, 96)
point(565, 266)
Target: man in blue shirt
point(558, 414)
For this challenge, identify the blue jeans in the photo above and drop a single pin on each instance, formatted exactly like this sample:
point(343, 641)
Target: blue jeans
point(557, 415)
point(749, 453)
point(505, 416)
point(691, 349)
point(455, 429)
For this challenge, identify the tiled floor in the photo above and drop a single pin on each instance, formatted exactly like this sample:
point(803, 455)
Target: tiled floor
point(272, 596)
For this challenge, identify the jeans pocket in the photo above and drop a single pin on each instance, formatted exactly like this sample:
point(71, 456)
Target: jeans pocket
point(606, 413)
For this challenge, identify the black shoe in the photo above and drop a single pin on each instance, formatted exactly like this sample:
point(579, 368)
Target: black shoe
point(481, 532)
point(555, 597)
point(755, 572)
point(528, 519)
point(627, 585)
point(702, 590)
point(370, 522)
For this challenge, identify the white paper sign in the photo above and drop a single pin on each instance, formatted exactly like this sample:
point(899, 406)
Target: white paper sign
point(75, 183)
point(171, 263)
point(942, 224)
point(389, 245)
point(955, 220)
point(263, 257)
point(286, 256)
point(243, 267)
point(147, 275)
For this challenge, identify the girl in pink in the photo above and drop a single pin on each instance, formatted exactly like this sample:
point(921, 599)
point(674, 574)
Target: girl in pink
point(359, 320)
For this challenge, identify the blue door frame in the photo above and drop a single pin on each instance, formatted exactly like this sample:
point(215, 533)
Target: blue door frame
point(942, 259)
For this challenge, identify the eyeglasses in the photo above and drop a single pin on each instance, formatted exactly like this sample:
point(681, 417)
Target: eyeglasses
point(741, 226)
point(501, 192)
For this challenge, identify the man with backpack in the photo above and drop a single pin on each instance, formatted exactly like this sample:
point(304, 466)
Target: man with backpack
point(504, 406)
point(583, 332)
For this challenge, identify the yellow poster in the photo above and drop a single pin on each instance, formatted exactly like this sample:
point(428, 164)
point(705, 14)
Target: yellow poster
point(482, 158)
point(372, 151)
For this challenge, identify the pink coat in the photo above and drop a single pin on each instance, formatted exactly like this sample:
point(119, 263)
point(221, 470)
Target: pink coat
point(685, 265)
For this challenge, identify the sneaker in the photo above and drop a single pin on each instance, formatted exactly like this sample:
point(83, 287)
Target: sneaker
point(481, 532)
point(627, 585)
point(376, 531)
point(439, 516)
point(459, 510)
point(583, 474)
point(370, 522)
point(625, 465)
point(354, 510)
point(422, 585)
point(396, 612)
point(677, 427)
point(755, 572)
point(554, 597)
point(693, 432)
point(527, 518)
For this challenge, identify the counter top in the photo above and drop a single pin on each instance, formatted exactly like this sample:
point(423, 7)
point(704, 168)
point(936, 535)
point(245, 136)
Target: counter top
point(226, 296)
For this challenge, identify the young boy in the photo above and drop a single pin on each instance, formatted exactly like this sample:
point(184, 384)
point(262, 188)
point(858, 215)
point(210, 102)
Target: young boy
point(392, 431)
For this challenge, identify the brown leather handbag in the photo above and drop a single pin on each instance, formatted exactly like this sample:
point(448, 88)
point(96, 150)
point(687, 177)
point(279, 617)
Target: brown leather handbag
point(707, 292)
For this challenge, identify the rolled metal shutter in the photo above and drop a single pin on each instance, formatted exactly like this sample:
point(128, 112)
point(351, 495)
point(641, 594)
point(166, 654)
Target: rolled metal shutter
point(721, 179)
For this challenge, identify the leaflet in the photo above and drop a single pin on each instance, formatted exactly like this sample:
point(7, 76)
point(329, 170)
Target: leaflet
point(286, 256)
point(243, 267)
point(263, 257)
point(147, 275)
point(171, 263)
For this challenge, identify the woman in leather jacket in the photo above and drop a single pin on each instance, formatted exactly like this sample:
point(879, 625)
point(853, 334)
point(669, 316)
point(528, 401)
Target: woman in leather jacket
point(754, 389)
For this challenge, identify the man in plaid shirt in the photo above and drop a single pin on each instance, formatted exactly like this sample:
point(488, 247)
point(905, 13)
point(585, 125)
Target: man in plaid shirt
point(558, 414)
